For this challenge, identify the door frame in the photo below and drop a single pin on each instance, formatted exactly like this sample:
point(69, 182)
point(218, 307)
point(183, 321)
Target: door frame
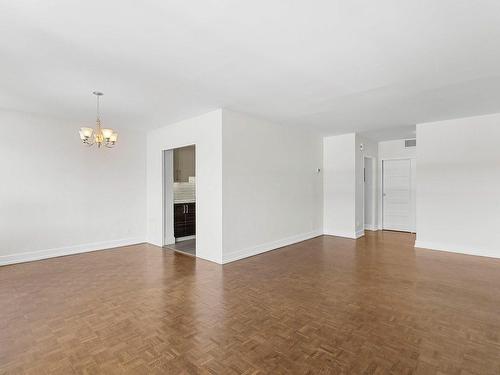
point(412, 191)
point(167, 196)
point(373, 192)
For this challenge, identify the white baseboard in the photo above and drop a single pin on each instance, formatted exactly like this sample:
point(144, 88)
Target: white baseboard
point(360, 233)
point(67, 250)
point(341, 234)
point(370, 227)
point(245, 253)
point(352, 236)
point(468, 250)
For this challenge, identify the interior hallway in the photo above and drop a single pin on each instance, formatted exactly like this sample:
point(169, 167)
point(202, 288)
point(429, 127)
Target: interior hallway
point(375, 305)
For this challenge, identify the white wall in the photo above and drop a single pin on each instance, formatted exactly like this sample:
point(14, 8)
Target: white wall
point(343, 161)
point(272, 191)
point(206, 133)
point(339, 185)
point(394, 149)
point(458, 186)
point(59, 197)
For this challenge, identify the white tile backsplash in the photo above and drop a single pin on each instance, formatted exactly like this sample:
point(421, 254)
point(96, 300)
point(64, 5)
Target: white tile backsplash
point(185, 192)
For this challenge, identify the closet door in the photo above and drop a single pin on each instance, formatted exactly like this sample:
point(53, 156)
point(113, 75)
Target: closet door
point(397, 195)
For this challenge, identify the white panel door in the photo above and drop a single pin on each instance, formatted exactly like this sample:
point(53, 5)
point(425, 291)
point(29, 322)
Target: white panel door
point(397, 195)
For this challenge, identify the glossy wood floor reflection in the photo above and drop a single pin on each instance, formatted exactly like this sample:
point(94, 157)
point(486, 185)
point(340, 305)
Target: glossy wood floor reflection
point(324, 306)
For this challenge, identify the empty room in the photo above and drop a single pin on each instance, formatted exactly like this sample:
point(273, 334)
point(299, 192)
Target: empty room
point(250, 187)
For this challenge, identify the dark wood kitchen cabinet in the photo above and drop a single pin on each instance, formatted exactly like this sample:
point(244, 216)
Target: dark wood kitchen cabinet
point(184, 219)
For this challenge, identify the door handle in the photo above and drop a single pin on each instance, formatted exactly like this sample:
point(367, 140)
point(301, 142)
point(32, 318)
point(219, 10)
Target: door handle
point(187, 208)
point(183, 208)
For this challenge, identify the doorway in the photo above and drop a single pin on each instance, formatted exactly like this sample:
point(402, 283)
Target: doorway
point(398, 195)
point(369, 193)
point(179, 169)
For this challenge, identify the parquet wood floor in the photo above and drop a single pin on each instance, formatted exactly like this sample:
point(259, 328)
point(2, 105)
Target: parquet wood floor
point(323, 306)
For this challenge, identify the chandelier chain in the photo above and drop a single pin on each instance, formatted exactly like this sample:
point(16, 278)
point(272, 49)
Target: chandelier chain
point(98, 109)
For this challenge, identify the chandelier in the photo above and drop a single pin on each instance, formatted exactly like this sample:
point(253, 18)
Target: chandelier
point(99, 136)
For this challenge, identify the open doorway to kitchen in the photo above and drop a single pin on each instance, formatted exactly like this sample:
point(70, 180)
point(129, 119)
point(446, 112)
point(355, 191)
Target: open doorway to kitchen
point(179, 169)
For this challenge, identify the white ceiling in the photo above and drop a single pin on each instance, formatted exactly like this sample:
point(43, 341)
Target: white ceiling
point(394, 132)
point(334, 66)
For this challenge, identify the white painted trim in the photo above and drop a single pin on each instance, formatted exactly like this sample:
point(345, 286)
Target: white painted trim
point(371, 227)
point(67, 250)
point(231, 257)
point(453, 248)
point(167, 197)
point(373, 161)
point(360, 233)
point(351, 236)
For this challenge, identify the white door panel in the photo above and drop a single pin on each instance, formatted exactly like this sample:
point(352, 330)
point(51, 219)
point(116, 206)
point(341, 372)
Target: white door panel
point(397, 195)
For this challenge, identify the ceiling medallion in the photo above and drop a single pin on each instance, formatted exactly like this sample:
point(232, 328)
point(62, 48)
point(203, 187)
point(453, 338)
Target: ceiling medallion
point(99, 136)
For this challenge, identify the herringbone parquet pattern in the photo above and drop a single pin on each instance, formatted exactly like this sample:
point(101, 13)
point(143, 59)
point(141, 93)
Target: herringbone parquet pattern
point(324, 306)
